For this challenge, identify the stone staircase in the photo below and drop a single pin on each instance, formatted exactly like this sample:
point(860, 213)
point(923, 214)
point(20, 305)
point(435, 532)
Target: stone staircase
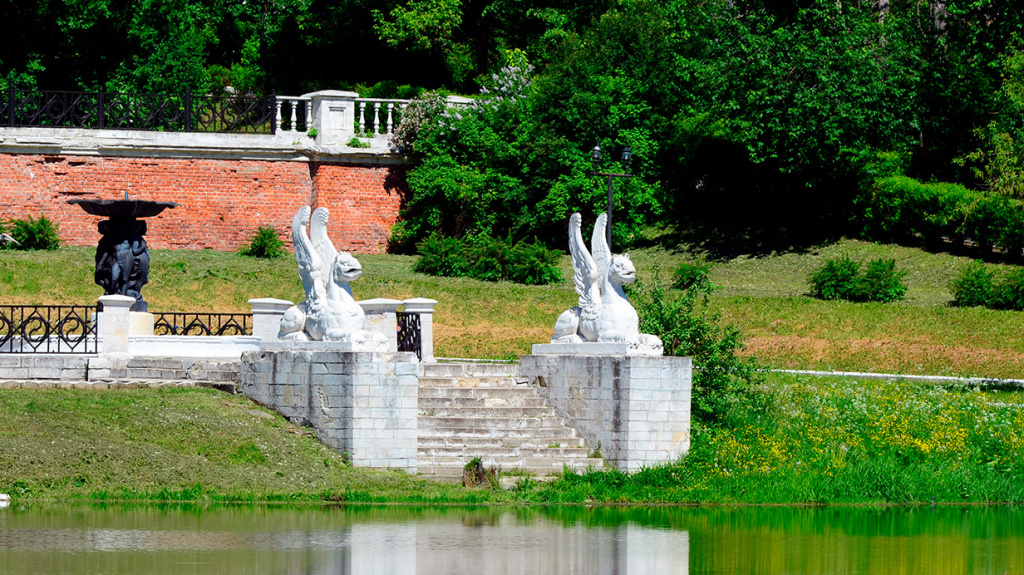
point(486, 410)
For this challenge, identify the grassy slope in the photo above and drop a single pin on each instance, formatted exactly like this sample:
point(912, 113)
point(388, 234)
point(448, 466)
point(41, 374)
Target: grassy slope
point(763, 296)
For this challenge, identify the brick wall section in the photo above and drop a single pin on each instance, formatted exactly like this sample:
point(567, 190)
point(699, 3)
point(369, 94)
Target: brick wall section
point(364, 202)
point(222, 202)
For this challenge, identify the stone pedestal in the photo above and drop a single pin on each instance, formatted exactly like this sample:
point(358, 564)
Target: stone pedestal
point(114, 323)
point(266, 316)
point(362, 404)
point(380, 318)
point(636, 407)
point(334, 116)
point(140, 323)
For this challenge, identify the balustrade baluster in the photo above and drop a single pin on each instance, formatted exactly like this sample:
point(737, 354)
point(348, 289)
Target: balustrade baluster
point(309, 115)
point(376, 118)
point(390, 108)
point(277, 113)
point(294, 126)
point(360, 110)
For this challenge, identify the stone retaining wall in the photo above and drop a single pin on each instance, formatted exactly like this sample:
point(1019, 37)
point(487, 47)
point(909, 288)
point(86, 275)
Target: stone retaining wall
point(637, 408)
point(362, 404)
point(227, 185)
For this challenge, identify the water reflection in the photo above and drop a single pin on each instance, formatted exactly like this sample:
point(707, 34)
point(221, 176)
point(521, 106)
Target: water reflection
point(183, 539)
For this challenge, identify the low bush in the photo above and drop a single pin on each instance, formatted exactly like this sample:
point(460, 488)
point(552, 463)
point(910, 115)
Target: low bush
point(900, 208)
point(725, 388)
point(974, 287)
point(265, 244)
point(32, 234)
point(837, 279)
point(882, 282)
point(489, 259)
point(978, 286)
point(841, 278)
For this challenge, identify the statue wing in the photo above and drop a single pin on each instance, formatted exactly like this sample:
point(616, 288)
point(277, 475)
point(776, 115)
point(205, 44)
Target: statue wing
point(583, 265)
point(599, 247)
point(305, 254)
point(321, 241)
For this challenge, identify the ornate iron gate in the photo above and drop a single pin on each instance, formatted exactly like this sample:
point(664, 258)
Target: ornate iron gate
point(409, 333)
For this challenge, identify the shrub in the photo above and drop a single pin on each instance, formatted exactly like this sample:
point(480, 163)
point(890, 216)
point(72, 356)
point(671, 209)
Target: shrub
point(724, 384)
point(265, 243)
point(489, 259)
point(837, 279)
point(689, 274)
point(841, 279)
point(33, 234)
point(882, 282)
point(1009, 293)
point(974, 287)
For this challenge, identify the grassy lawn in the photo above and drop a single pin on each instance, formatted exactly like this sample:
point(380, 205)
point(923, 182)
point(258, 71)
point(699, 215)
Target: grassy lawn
point(826, 440)
point(765, 297)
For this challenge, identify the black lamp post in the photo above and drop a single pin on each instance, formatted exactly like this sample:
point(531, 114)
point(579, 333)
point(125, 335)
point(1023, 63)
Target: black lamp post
point(595, 156)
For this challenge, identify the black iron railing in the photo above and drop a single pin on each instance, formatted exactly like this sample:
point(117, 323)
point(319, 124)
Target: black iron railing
point(409, 333)
point(182, 323)
point(158, 112)
point(48, 329)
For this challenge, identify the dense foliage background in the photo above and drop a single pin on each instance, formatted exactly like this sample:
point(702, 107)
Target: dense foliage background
point(755, 124)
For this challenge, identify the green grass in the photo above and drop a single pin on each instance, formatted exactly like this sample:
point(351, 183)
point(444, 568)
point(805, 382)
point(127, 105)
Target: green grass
point(181, 444)
point(765, 297)
point(825, 440)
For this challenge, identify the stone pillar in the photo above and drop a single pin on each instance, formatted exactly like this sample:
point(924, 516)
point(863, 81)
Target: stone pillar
point(114, 323)
point(380, 318)
point(637, 407)
point(364, 405)
point(266, 316)
point(333, 116)
point(424, 307)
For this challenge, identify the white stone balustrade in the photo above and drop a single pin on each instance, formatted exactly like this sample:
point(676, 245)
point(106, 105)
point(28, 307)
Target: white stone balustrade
point(287, 114)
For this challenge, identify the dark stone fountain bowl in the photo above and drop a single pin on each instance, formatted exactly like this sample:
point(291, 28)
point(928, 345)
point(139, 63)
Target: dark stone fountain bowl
point(123, 208)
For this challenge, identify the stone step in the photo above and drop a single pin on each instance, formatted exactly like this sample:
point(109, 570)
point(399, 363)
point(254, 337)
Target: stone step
point(469, 369)
point(482, 402)
point(478, 391)
point(497, 412)
point(454, 466)
point(513, 435)
point(519, 451)
point(490, 424)
point(486, 442)
point(471, 381)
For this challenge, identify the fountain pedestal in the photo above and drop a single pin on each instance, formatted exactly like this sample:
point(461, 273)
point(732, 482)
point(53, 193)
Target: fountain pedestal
point(122, 256)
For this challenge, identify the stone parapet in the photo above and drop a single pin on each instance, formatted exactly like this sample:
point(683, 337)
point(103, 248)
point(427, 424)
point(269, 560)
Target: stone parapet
point(636, 408)
point(362, 404)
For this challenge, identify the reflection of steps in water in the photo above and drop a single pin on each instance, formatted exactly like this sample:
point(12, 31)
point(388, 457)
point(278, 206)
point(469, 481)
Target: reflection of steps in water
point(501, 543)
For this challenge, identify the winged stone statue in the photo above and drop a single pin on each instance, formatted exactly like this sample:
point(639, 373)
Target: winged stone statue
point(604, 314)
point(330, 312)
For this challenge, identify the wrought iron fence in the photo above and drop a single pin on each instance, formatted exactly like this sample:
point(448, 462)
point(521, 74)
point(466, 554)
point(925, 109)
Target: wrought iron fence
point(48, 329)
point(409, 333)
point(158, 112)
point(183, 323)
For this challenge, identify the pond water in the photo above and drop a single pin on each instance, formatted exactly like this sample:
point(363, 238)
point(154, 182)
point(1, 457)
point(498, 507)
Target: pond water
point(107, 539)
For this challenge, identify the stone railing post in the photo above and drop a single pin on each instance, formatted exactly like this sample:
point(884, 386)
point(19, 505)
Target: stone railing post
point(114, 323)
point(266, 316)
point(380, 317)
point(333, 116)
point(425, 308)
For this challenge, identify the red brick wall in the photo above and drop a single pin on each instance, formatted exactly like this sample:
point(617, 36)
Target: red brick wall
point(222, 202)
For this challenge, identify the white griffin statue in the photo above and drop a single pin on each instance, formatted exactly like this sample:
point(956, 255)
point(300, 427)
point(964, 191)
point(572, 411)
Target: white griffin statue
point(604, 314)
point(330, 313)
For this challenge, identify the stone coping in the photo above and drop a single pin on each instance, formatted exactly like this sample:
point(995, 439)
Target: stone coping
point(588, 348)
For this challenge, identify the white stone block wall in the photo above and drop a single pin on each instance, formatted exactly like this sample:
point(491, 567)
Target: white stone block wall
point(362, 404)
point(636, 407)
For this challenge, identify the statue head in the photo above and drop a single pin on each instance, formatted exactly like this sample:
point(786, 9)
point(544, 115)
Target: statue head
point(621, 269)
point(346, 268)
